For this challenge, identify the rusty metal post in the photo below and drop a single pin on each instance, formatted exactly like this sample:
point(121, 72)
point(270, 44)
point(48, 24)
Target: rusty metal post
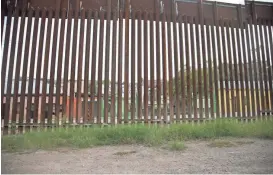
point(107, 55)
point(52, 67)
point(139, 68)
point(133, 67)
point(199, 62)
point(170, 65)
point(220, 66)
point(188, 69)
point(264, 64)
point(164, 66)
point(66, 112)
point(225, 101)
point(269, 46)
point(59, 69)
point(32, 64)
point(5, 56)
point(113, 73)
point(39, 68)
point(230, 67)
point(240, 58)
point(145, 68)
point(93, 66)
point(120, 55)
point(80, 61)
point(10, 70)
point(177, 88)
point(193, 68)
point(99, 97)
point(235, 67)
point(18, 65)
point(214, 43)
point(158, 73)
point(210, 66)
point(126, 60)
point(182, 64)
point(152, 78)
point(85, 115)
point(248, 103)
point(45, 71)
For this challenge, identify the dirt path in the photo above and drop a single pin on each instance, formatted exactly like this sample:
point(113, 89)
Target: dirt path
point(247, 156)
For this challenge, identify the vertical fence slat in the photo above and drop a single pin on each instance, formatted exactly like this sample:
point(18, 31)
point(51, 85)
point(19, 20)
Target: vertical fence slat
point(126, 61)
point(246, 82)
point(44, 106)
point(255, 75)
point(230, 68)
point(10, 69)
point(93, 69)
point(267, 45)
point(199, 95)
point(225, 71)
point(145, 68)
point(158, 73)
point(80, 65)
point(252, 70)
point(2, 21)
point(106, 82)
point(113, 73)
point(177, 89)
point(239, 33)
point(188, 68)
point(58, 109)
point(133, 62)
point(86, 67)
point(220, 65)
point(66, 102)
point(264, 65)
point(99, 97)
point(205, 75)
point(25, 68)
point(5, 60)
point(210, 66)
point(170, 65)
point(139, 68)
point(271, 49)
point(120, 55)
point(215, 69)
point(164, 65)
point(152, 78)
point(32, 67)
point(260, 89)
point(182, 63)
point(52, 66)
point(39, 67)
point(236, 102)
point(73, 67)
point(193, 68)
point(18, 65)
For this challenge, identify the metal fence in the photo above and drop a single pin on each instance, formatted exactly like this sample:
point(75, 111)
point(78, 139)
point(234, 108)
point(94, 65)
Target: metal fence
point(86, 67)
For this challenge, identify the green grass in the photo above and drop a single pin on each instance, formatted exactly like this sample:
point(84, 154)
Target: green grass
point(175, 146)
point(135, 134)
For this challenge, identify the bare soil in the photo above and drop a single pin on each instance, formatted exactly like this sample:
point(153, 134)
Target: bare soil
point(242, 156)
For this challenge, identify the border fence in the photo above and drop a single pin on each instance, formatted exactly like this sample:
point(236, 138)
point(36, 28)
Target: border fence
point(82, 66)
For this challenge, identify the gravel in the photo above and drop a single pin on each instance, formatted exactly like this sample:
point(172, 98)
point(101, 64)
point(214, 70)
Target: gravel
point(255, 156)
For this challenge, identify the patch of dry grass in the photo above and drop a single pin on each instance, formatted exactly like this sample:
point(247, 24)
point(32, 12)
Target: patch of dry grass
point(123, 153)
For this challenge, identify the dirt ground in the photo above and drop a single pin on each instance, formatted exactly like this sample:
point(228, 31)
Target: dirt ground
point(246, 156)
